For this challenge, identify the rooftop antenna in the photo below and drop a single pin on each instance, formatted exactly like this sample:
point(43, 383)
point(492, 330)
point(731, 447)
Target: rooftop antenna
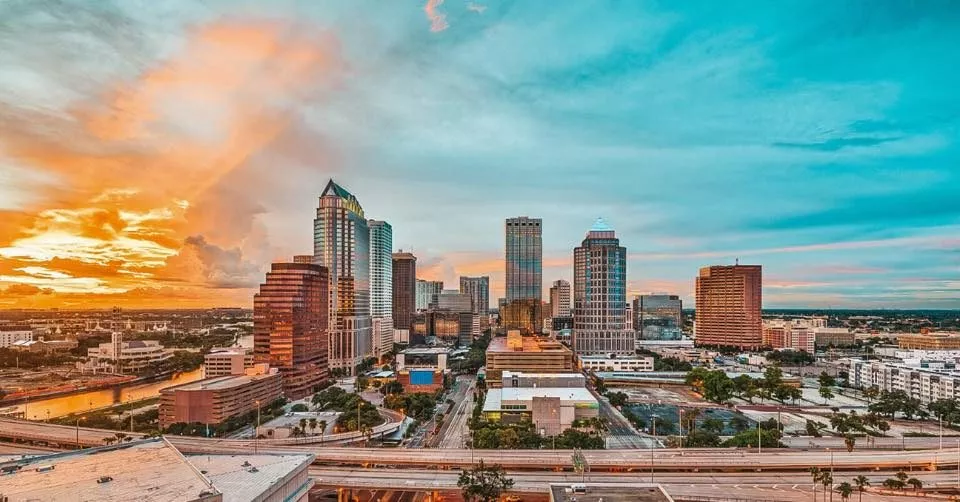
point(737, 261)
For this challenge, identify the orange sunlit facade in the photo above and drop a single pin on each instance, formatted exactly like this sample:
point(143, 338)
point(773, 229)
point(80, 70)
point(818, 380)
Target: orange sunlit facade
point(290, 316)
point(729, 299)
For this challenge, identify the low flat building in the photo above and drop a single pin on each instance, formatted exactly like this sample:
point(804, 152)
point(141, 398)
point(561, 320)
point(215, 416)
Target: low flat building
point(223, 362)
point(602, 363)
point(424, 357)
point(420, 379)
point(930, 341)
point(551, 409)
point(152, 470)
point(528, 354)
point(213, 400)
point(518, 379)
point(45, 346)
point(608, 492)
point(134, 355)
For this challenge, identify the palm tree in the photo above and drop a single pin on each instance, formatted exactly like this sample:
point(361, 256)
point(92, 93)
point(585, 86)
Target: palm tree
point(295, 432)
point(862, 483)
point(844, 489)
point(817, 474)
point(850, 441)
point(313, 424)
point(109, 440)
point(915, 483)
point(323, 428)
point(827, 481)
point(120, 436)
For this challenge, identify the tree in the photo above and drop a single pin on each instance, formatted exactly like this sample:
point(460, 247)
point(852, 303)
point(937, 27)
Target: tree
point(813, 429)
point(845, 490)
point(862, 483)
point(718, 387)
point(322, 425)
point(391, 387)
point(893, 484)
point(299, 408)
point(827, 480)
point(617, 399)
point(362, 383)
point(109, 440)
point(713, 425)
point(303, 424)
point(739, 423)
point(915, 483)
point(817, 474)
point(744, 386)
point(483, 483)
point(871, 393)
point(313, 424)
point(120, 436)
point(849, 441)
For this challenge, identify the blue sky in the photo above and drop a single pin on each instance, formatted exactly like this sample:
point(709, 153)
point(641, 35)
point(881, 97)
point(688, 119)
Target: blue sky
point(817, 138)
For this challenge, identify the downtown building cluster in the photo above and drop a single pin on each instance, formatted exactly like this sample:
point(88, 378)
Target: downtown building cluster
point(353, 298)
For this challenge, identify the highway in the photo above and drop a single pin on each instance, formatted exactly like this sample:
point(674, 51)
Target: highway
point(621, 434)
point(454, 430)
point(780, 487)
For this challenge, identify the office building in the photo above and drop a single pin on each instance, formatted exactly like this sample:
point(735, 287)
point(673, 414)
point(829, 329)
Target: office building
point(427, 292)
point(229, 361)
point(552, 410)
point(12, 333)
point(930, 341)
point(450, 318)
point(917, 379)
point(404, 289)
point(527, 354)
point(478, 288)
point(524, 275)
point(729, 299)
point(560, 299)
point(153, 470)
point(341, 243)
point(619, 364)
point(421, 369)
point(600, 324)
point(290, 322)
point(381, 286)
point(834, 337)
point(211, 401)
point(658, 317)
point(779, 334)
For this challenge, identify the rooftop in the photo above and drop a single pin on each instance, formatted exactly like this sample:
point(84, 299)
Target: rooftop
point(495, 397)
point(218, 383)
point(611, 492)
point(426, 350)
point(148, 470)
point(529, 344)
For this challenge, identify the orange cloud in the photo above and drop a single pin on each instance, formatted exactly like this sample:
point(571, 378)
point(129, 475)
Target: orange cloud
point(438, 21)
point(149, 175)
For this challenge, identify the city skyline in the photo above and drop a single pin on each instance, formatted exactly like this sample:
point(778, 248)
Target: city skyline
point(168, 160)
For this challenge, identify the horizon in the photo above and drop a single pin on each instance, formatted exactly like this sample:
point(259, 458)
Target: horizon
point(161, 157)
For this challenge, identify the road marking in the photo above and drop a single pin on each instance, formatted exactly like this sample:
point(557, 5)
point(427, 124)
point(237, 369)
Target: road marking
point(774, 487)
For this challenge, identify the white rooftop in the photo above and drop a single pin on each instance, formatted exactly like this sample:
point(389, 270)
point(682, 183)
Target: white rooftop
point(242, 483)
point(496, 397)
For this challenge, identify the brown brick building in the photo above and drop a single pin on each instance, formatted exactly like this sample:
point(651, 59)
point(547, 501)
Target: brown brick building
point(213, 400)
point(729, 299)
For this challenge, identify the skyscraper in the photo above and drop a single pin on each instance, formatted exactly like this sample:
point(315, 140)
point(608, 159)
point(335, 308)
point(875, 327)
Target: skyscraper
point(658, 317)
point(479, 290)
point(600, 324)
point(341, 243)
point(426, 292)
point(560, 299)
point(729, 299)
point(524, 274)
point(290, 319)
point(404, 289)
point(381, 286)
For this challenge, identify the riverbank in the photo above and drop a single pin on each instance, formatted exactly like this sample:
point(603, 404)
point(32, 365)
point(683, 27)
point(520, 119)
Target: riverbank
point(120, 381)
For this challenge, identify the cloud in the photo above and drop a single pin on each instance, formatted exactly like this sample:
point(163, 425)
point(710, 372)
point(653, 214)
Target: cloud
point(25, 290)
point(438, 21)
point(475, 7)
point(214, 266)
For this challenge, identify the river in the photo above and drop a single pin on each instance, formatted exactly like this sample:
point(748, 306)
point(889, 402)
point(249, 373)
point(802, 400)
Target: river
point(86, 401)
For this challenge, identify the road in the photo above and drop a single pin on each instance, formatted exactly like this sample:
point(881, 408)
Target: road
point(780, 487)
point(454, 431)
point(621, 434)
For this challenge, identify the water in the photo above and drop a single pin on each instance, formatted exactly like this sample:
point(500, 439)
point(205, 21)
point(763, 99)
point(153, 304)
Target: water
point(96, 399)
point(671, 414)
point(245, 341)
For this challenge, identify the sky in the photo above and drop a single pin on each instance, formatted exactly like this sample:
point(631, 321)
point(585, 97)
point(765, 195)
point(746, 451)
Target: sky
point(163, 154)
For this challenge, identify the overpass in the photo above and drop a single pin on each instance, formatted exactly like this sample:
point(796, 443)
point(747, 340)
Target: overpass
point(66, 436)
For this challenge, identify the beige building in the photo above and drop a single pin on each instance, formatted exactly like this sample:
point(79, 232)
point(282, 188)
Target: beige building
point(223, 362)
point(930, 341)
point(527, 354)
point(551, 409)
point(213, 400)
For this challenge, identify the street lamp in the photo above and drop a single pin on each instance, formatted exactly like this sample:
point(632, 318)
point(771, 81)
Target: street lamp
point(681, 427)
point(759, 440)
point(78, 431)
point(256, 431)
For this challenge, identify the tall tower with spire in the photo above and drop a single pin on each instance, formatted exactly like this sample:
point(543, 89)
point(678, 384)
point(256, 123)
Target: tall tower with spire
point(341, 243)
point(600, 323)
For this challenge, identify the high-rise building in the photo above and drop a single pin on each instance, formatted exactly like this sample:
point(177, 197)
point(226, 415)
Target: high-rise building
point(524, 274)
point(381, 286)
point(341, 243)
point(600, 324)
point(404, 289)
point(427, 292)
point(478, 288)
point(658, 317)
point(290, 322)
point(560, 299)
point(450, 318)
point(729, 299)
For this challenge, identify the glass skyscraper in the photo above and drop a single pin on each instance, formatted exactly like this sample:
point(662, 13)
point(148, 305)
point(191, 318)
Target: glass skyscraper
point(600, 324)
point(658, 317)
point(381, 286)
point(341, 243)
point(524, 274)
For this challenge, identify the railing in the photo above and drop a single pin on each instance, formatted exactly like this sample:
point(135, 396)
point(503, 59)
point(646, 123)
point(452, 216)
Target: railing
point(701, 498)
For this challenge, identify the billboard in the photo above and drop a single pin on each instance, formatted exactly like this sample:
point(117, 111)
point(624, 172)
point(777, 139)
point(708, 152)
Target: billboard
point(421, 377)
